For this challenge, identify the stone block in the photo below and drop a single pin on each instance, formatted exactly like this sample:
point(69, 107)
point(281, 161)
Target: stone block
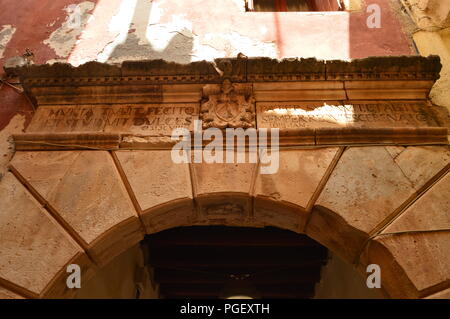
point(84, 191)
point(160, 186)
point(34, 248)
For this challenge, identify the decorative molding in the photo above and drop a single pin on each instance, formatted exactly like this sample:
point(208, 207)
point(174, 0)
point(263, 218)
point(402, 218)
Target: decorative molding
point(235, 69)
point(66, 141)
point(301, 137)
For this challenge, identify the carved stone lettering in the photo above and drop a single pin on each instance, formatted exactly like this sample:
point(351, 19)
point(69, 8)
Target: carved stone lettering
point(138, 119)
point(344, 114)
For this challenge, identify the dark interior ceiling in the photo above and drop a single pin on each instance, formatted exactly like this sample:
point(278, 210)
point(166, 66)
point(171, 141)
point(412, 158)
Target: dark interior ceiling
point(200, 261)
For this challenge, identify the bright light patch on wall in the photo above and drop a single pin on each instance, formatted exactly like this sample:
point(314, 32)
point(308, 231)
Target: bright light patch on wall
point(160, 35)
point(119, 24)
point(336, 114)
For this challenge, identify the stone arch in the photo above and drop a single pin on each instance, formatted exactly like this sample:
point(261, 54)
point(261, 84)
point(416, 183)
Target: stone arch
point(370, 204)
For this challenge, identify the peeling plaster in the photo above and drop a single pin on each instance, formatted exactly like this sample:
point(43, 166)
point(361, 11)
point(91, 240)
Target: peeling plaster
point(15, 126)
point(175, 40)
point(138, 35)
point(229, 45)
point(177, 51)
point(6, 34)
point(63, 39)
point(184, 31)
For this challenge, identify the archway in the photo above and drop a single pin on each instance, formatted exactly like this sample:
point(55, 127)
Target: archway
point(363, 165)
point(45, 187)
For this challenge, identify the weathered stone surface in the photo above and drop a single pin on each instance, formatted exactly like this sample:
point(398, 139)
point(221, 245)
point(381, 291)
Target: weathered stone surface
point(298, 176)
point(146, 118)
point(151, 98)
point(223, 177)
point(394, 151)
point(365, 186)
point(45, 170)
point(429, 15)
point(430, 212)
point(316, 114)
point(364, 189)
point(420, 163)
point(376, 66)
point(176, 215)
point(228, 105)
point(66, 141)
point(155, 178)
point(381, 136)
point(223, 190)
point(422, 257)
point(444, 294)
point(86, 191)
point(34, 248)
point(235, 66)
point(7, 294)
point(394, 280)
point(268, 212)
point(160, 185)
point(224, 209)
point(286, 94)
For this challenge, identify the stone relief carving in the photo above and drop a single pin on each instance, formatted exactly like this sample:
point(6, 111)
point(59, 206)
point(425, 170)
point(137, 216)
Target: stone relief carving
point(225, 209)
point(228, 105)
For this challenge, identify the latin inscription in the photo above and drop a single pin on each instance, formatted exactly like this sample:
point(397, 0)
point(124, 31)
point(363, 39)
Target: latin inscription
point(162, 118)
point(356, 114)
point(145, 119)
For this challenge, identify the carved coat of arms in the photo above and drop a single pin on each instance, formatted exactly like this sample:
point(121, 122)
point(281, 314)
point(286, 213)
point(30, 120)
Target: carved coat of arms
point(228, 105)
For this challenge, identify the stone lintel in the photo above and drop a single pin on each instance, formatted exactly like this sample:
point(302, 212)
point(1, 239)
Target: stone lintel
point(378, 100)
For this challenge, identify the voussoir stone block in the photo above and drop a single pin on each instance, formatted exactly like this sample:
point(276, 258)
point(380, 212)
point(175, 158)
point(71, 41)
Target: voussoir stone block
point(223, 191)
point(429, 212)
point(365, 188)
point(291, 187)
point(162, 188)
point(7, 294)
point(445, 294)
point(420, 163)
point(410, 262)
point(34, 248)
point(86, 191)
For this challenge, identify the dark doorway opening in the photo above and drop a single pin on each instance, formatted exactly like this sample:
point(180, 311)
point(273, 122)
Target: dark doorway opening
point(204, 261)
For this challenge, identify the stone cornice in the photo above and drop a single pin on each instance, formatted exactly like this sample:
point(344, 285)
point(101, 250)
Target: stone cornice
point(409, 77)
point(236, 69)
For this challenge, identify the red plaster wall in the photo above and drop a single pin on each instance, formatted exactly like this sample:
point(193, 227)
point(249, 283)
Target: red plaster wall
point(31, 18)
